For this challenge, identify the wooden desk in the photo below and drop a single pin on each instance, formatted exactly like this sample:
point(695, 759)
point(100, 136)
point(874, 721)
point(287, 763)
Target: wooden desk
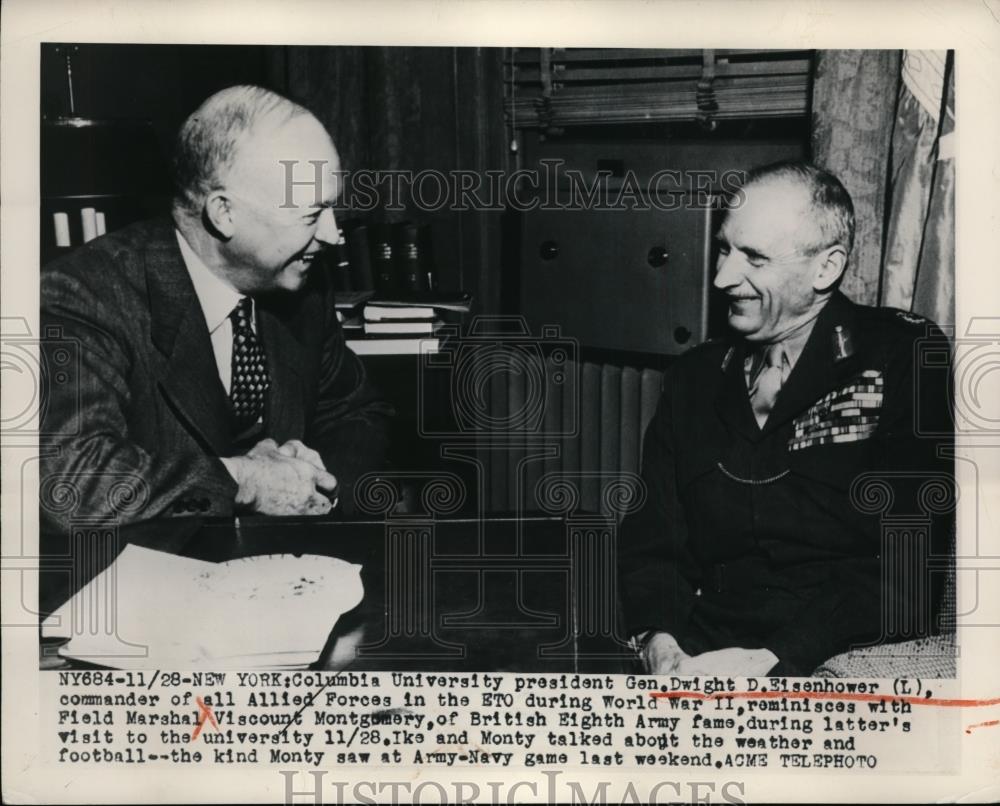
point(528, 595)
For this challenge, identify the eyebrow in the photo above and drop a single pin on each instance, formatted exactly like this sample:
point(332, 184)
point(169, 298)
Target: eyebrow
point(746, 250)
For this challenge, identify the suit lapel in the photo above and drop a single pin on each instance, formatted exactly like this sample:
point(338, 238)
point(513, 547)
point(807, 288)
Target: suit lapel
point(285, 418)
point(818, 369)
point(185, 360)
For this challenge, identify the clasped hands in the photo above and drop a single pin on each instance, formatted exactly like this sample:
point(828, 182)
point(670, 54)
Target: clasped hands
point(662, 655)
point(288, 479)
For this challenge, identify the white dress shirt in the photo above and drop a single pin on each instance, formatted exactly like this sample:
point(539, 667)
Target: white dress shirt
point(217, 298)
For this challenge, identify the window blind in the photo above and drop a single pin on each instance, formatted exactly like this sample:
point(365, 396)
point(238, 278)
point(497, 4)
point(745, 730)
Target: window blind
point(550, 88)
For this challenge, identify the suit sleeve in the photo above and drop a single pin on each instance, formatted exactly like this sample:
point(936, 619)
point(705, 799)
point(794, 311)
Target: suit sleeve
point(350, 426)
point(657, 576)
point(892, 594)
point(90, 468)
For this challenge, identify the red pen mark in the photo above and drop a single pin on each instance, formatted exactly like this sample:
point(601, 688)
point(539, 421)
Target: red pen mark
point(989, 724)
point(823, 695)
point(206, 713)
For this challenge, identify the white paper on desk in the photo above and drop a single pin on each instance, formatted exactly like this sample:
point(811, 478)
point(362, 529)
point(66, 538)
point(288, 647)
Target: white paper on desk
point(174, 612)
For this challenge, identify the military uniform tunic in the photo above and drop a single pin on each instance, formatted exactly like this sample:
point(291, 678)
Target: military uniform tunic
point(772, 536)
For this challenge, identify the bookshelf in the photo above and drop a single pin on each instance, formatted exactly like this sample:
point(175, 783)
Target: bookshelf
point(112, 168)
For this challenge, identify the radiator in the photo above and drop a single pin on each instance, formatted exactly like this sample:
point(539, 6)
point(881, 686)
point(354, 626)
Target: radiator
point(576, 420)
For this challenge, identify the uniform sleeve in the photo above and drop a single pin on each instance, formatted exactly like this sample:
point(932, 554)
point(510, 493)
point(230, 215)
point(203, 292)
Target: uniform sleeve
point(657, 579)
point(350, 428)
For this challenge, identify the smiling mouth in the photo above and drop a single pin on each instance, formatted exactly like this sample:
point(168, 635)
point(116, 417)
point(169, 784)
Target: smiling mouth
point(307, 259)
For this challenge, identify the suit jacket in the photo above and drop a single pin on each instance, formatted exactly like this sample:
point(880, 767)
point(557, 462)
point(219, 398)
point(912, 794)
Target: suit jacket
point(134, 415)
point(780, 537)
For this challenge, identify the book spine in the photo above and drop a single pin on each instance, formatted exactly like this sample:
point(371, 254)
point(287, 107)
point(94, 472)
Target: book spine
point(400, 327)
point(409, 264)
point(340, 264)
point(426, 241)
point(382, 262)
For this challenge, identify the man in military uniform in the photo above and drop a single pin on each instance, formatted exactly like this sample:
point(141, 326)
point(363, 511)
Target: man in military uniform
point(752, 553)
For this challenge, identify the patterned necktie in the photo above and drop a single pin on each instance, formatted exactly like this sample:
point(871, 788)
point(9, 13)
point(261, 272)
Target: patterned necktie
point(770, 377)
point(249, 380)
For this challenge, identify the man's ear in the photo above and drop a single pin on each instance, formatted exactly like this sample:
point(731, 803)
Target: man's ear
point(219, 213)
point(830, 266)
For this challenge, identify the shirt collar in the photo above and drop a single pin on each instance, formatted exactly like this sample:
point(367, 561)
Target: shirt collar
point(792, 345)
point(795, 341)
point(216, 296)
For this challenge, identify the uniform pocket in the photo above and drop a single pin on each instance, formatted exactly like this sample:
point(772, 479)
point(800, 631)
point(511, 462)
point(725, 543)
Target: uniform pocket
point(835, 465)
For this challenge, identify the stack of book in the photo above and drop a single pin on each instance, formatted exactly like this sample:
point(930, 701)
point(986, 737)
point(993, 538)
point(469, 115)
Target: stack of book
point(404, 325)
point(388, 301)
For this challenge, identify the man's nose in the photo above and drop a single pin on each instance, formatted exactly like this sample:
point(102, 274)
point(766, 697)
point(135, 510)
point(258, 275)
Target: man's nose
point(727, 272)
point(326, 228)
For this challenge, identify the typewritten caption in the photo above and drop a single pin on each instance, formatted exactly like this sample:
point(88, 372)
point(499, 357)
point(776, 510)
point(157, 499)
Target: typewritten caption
point(329, 719)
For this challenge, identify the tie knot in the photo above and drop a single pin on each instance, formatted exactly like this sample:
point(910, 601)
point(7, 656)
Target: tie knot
point(243, 312)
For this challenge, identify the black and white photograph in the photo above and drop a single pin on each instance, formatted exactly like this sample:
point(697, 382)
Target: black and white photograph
point(573, 407)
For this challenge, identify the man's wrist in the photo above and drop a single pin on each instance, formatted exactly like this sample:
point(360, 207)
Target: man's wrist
point(637, 643)
point(236, 467)
point(656, 648)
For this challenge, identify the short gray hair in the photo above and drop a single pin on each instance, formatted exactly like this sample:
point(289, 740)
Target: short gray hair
point(208, 142)
point(830, 199)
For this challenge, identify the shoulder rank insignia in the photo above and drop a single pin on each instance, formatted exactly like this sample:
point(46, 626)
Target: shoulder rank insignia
point(912, 318)
point(848, 414)
point(843, 345)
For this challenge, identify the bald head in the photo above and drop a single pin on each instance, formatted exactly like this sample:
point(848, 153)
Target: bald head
point(214, 136)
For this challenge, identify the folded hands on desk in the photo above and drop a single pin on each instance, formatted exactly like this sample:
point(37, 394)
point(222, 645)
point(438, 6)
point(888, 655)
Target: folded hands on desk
point(288, 479)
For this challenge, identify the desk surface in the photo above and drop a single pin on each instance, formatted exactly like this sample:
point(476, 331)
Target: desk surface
point(519, 595)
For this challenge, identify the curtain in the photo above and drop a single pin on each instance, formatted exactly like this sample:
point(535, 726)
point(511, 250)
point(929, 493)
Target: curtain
point(883, 122)
point(919, 263)
point(854, 95)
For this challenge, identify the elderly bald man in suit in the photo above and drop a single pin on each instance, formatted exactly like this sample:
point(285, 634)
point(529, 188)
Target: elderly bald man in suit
point(212, 375)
